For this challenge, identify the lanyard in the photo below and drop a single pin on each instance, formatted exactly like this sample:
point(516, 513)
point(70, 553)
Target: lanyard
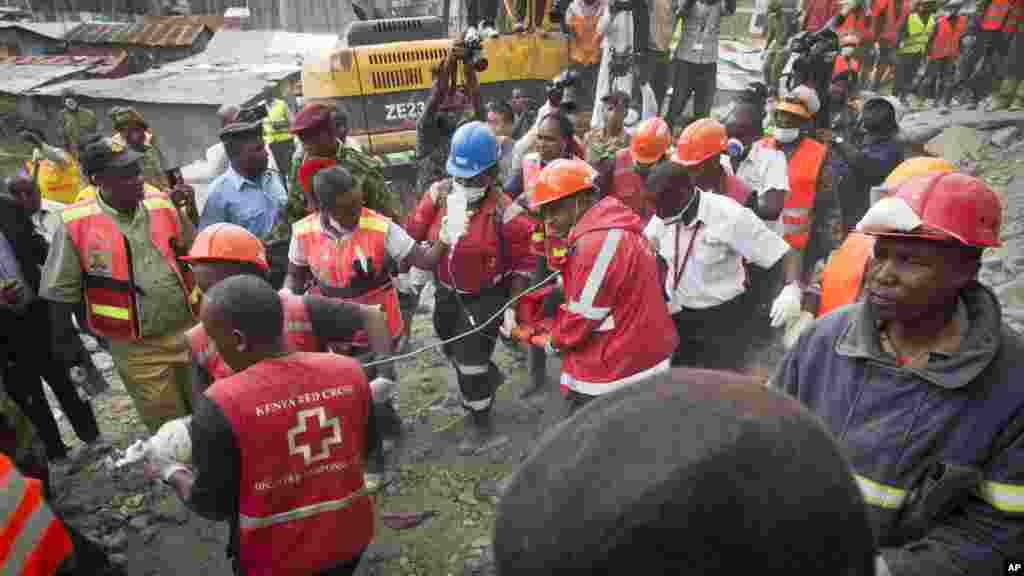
point(689, 248)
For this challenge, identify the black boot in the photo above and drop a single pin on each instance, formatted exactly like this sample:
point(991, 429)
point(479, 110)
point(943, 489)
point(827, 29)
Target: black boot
point(479, 431)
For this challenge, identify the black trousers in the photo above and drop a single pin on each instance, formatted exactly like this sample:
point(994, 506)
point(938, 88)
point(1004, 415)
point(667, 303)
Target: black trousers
point(586, 85)
point(283, 152)
point(717, 338)
point(277, 257)
point(456, 314)
point(938, 80)
point(688, 79)
point(652, 68)
point(991, 45)
point(906, 69)
point(28, 359)
point(477, 10)
point(537, 359)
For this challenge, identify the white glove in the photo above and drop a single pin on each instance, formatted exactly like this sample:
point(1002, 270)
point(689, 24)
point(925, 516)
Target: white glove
point(786, 306)
point(509, 324)
point(796, 327)
point(167, 466)
point(381, 389)
point(446, 235)
point(173, 441)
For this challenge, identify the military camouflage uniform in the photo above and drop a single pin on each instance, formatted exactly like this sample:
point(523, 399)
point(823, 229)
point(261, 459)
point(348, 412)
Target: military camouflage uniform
point(367, 172)
point(598, 146)
point(77, 126)
point(432, 147)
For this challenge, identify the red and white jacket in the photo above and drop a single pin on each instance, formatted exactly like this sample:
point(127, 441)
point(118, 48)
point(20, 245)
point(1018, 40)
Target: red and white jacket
point(614, 328)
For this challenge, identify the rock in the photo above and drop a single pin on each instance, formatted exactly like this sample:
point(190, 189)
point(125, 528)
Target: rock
point(468, 498)
point(149, 533)
point(139, 522)
point(956, 144)
point(379, 552)
point(480, 543)
point(118, 558)
point(117, 540)
point(1003, 137)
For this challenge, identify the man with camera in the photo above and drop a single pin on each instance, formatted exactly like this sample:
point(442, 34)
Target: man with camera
point(448, 107)
point(616, 73)
point(696, 57)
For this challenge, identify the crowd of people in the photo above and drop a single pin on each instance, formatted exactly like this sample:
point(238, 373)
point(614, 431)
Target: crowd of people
point(654, 267)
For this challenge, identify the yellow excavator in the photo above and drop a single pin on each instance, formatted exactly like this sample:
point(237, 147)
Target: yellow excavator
point(382, 79)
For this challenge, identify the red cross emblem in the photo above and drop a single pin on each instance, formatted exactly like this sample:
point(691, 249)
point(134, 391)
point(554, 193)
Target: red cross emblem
point(331, 426)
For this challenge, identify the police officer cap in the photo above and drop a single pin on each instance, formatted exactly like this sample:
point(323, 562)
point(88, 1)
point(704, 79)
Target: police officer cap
point(101, 153)
point(248, 122)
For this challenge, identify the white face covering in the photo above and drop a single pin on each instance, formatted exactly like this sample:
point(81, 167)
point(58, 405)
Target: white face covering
point(472, 194)
point(787, 135)
point(848, 51)
point(299, 101)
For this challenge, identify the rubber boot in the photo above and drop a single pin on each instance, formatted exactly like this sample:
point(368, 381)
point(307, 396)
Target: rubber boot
point(1004, 97)
point(1018, 100)
point(479, 431)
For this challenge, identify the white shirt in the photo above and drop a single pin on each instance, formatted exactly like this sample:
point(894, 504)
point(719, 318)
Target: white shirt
point(714, 274)
point(397, 243)
point(765, 169)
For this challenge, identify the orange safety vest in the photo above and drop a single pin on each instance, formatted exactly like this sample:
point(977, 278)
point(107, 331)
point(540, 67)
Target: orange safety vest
point(843, 64)
point(585, 48)
point(1002, 15)
point(892, 22)
point(298, 337)
point(110, 289)
point(947, 38)
point(300, 421)
point(33, 542)
point(804, 168)
point(334, 262)
point(843, 277)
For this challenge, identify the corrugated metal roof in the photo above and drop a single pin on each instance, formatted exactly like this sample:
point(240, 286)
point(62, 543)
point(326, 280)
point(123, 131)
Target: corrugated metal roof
point(171, 32)
point(54, 30)
point(257, 47)
point(18, 79)
point(57, 60)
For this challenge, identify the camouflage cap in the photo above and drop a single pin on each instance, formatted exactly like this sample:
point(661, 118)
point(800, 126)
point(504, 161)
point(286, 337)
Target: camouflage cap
point(101, 153)
point(124, 116)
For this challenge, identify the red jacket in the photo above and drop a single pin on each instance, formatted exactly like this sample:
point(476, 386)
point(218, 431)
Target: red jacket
point(615, 327)
point(474, 260)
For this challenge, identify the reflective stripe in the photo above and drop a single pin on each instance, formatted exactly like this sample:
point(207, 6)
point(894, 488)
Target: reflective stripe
point(77, 212)
point(156, 203)
point(478, 404)
point(606, 326)
point(585, 306)
point(28, 537)
point(880, 495)
point(196, 295)
point(599, 388)
point(298, 326)
point(468, 370)
point(305, 226)
point(254, 522)
point(559, 252)
point(1003, 497)
point(362, 258)
point(10, 496)
point(376, 224)
point(114, 312)
point(537, 237)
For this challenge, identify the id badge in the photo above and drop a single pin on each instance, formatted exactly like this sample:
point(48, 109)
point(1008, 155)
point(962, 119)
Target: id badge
point(698, 47)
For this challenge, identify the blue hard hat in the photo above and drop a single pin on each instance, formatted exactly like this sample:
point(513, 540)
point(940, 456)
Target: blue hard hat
point(474, 149)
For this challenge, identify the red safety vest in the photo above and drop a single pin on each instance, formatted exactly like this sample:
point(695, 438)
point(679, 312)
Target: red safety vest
point(627, 185)
point(333, 263)
point(300, 423)
point(947, 38)
point(854, 23)
point(33, 542)
point(110, 290)
point(892, 23)
point(843, 64)
point(804, 168)
point(298, 336)
point(1002, 15)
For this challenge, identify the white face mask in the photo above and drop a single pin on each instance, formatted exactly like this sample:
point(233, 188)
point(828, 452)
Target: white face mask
point(787, 135)
point(848, 51)
point(299, 101)
point(472, 194)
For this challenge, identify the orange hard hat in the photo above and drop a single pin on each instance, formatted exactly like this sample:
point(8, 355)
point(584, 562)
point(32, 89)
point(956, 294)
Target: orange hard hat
point(699, 141)
point(919, 166)
point(939, 206)
point(651, 138)
point(561, 178)
point(223, 242)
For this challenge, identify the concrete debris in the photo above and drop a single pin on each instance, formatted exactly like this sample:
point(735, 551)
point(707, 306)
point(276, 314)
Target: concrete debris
point(956, 144)
point(1004, 136)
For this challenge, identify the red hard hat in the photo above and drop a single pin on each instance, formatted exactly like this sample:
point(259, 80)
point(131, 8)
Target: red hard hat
point(311, 116)
point(942, 206)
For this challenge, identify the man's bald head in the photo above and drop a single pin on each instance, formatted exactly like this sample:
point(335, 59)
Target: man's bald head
point(244, 317)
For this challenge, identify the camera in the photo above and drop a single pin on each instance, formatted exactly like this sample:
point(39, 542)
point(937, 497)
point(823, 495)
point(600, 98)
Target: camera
point(474, 46)
point(556, 88)
point(621, 6)
point(558, 8)
point(813, 57)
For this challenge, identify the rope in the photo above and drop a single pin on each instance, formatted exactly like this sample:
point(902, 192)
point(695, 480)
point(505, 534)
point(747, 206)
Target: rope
point(467, 333)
